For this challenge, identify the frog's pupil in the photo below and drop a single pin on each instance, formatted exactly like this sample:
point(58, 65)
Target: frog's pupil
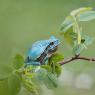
point(52, 43)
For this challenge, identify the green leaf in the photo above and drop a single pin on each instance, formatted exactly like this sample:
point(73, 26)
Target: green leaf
point(14, 84)
point(53, 63)
point(56, 58)
point(85, 41)
point(53, 79)
point(68, 22)
point(46, 77)
point(47, 67)
point(70, 36)
point(86, 16)
point(80, 11)
point(88, 40)
point(18, 61)
point(50, 81)
point(78, 49)
point(30, 86)
point(41, 74)
point(5, 71)
point(58, 69)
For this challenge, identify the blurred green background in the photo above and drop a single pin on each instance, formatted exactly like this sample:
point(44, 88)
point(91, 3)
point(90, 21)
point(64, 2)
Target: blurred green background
point(23, 22)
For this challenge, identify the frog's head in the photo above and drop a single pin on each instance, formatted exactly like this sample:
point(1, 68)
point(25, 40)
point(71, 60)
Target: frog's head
point(54, 42)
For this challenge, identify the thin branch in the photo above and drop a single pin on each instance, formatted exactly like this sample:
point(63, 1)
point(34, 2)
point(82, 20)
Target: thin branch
point(76, 58)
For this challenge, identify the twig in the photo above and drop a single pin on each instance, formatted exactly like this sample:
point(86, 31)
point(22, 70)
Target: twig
point(76, 58)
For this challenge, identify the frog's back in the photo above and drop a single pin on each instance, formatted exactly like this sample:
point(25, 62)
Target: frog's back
point(37, 49)
point(42, 43)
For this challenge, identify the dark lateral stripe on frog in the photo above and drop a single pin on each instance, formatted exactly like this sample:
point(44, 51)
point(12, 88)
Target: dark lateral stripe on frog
point(44, 54)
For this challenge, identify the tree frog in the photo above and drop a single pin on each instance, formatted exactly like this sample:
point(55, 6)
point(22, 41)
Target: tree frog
point(40, 51)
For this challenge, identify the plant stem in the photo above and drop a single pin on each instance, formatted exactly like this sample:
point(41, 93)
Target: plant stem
point(76, 58)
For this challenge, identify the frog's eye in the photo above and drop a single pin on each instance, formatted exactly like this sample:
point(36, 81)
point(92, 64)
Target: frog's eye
point(52, 43)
